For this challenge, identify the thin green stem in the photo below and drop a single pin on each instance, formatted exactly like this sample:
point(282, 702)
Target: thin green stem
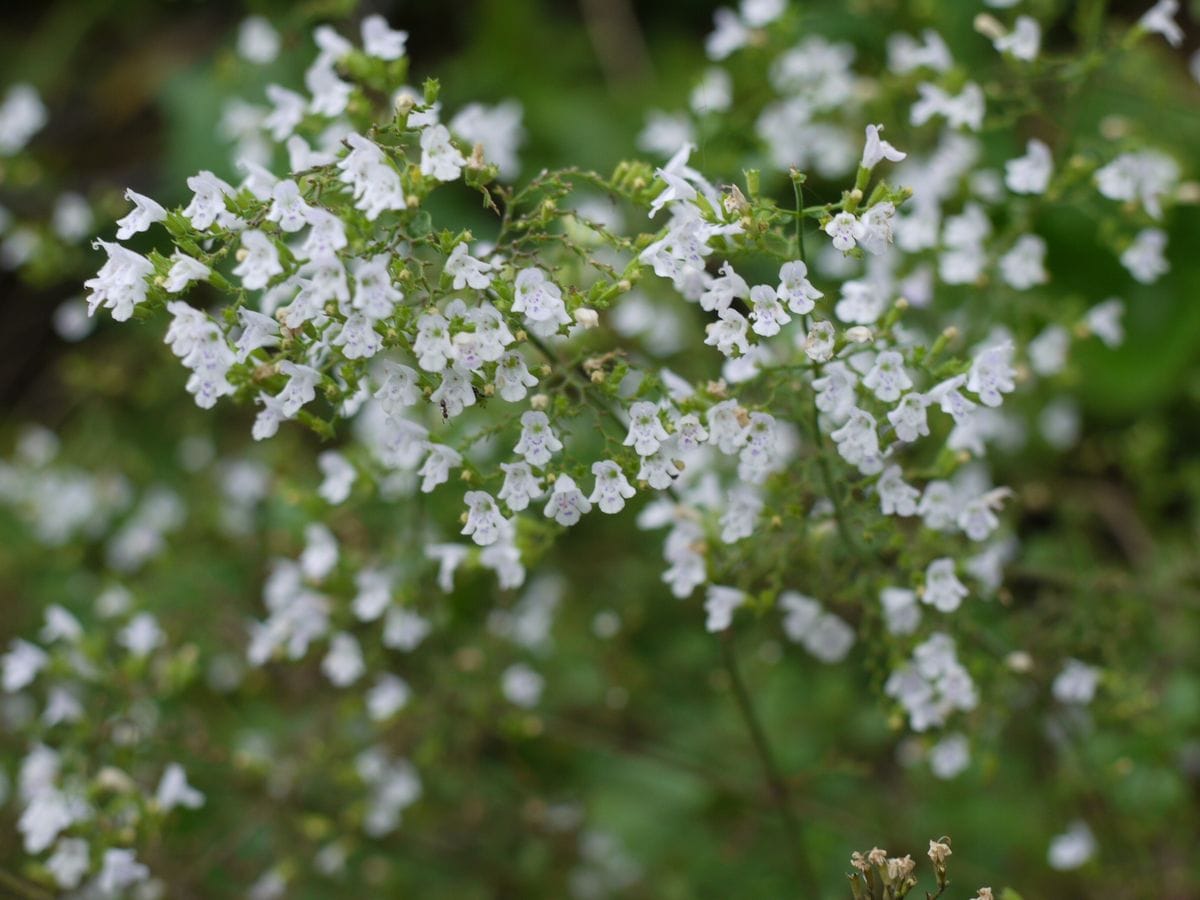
point(23, 888)
point(799, 192)
point(762, 747)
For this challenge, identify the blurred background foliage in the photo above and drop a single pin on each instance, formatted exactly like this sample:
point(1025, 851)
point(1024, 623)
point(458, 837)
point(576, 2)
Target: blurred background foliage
point(642, 731)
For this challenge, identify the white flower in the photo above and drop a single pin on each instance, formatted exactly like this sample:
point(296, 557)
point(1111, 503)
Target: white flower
point(72, 218)
point(1072, 848)
point(497, 129)
point(1023, 42)
point(60, 626)
point(119, 870)
point(756, 458)
point(467, 271)
point(909, 417)
point(374, 294)
point(726, 429)
point(436, 468)
point(1144, 257)
point(835, 391)
point(728, 35)
point(540, 300)
point(491, 331)
point(380, 40)
point(1146, 176)
point(741, 514)
point(719, 605)
point(887, 378)
point(432, 344)
point(257, 41)
point(896, 497)
point(829, 639)
point(767, 312)
point(208, 201)
point(877, 149)
point(795, 289)
point(22, 115)
point(522, 686)
point(950, 399)
point(288, 208)
point(906, 54)
point(48, 813)
point(520, 486)
point(326, 236)
point(992, 373)
point(821, 633)
point(538, 441)
point(455, 393)
point(819, 341)
point(300, 388)
point(612, 487)
point(374, 594)
point(287, 112)
point(330, 95)
point(858, 443)
point(862, 302)
point(665, 133)
point(69, 862)
point(374, 183)
point(184, 270)
point(1076, 683)
point(800, 614)
point(387, 696)
point(713, 93)
point(1160, 19)
point(977, 518)
point(842, 229)
point(261, 260)
point(723, 290)
point(343, 664)
point(121, 284)
point(901, 613)
point(22, 664)
point(1048, 351)
point(965, 110)
point(728, 334)
point(484, 522)
point(1023, 266)
point(950, 756)
point(404, 629)
point(759, 13)
point(646, 432)
point(1030, 174)
point(339, 477)
point(440, 159)
point(401, 388)
point(873, 230)
point(513, 377)
point(943, 590)
point(658, 471)
point(145, 213)
point(689, 435)
point(174, 790)
point(567, 502)
point(142, 635)
point(939, 506)
point(1104, 321)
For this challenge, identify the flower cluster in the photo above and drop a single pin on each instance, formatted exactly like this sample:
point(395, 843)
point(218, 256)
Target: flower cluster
point(797, 378)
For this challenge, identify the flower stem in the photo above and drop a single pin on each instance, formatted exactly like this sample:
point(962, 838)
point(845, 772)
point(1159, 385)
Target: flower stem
point(762, 747)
